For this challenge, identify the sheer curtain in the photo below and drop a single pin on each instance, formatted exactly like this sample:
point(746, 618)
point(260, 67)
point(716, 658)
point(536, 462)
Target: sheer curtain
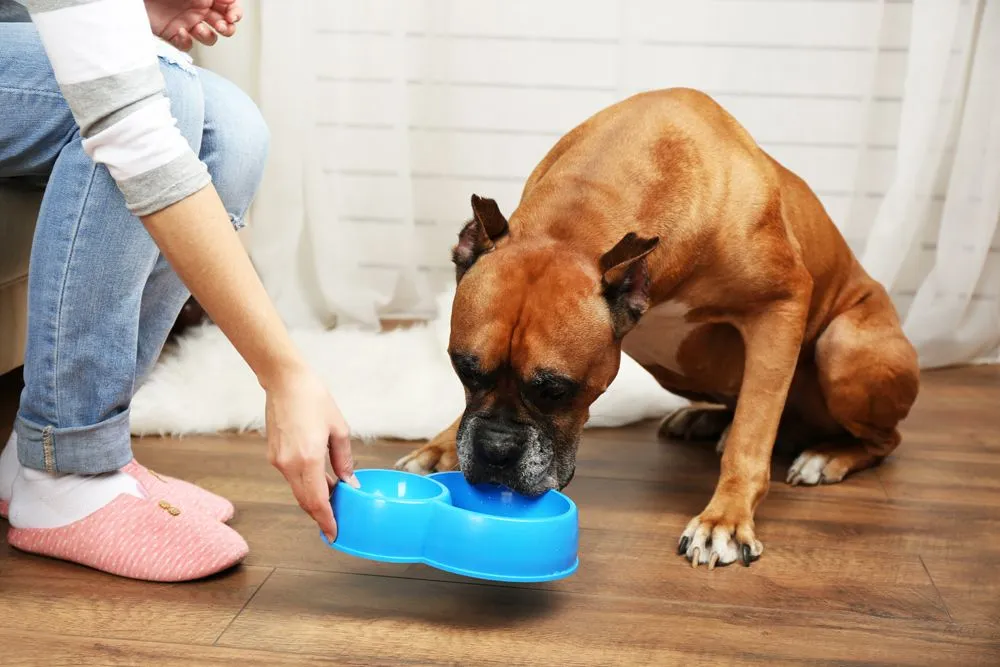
point(949, 150)
point(317, 268)
point(387, 114)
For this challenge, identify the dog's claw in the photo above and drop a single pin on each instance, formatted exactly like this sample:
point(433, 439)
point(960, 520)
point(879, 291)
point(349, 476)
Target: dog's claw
point(718, 544)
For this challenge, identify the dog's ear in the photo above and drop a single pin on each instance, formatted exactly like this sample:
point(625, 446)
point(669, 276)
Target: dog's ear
point(625, 280)
point(479, 235)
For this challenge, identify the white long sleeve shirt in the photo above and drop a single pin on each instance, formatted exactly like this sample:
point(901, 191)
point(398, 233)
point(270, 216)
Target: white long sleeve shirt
point(104, 57)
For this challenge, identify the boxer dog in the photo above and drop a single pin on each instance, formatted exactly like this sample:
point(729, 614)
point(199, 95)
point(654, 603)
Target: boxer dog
point(659, 228)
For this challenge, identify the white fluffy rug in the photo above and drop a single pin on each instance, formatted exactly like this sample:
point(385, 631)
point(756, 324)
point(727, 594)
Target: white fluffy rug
point(397, 384)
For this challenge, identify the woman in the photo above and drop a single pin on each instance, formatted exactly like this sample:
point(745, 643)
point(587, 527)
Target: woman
point(150, 164)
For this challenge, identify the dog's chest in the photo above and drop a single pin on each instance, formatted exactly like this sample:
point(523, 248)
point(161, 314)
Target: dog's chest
point(657, 339)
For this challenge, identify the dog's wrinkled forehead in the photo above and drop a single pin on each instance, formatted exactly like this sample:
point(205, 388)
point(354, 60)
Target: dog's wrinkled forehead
point(530, 310)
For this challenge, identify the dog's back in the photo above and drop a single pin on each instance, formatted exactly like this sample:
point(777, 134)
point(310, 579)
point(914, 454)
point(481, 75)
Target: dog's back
point(675, 164)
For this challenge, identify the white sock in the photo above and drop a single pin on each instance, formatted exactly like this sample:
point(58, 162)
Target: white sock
point(40, 499)
point(9, 466)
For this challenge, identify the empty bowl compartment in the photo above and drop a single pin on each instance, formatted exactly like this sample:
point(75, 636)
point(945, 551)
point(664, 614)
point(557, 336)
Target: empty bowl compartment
point(388, 518)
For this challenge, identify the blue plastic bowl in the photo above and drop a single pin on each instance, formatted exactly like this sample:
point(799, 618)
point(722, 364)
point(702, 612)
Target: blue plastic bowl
point(481, 531)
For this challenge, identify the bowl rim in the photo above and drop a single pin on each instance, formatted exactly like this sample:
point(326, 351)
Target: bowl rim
point(446, 499)
point(443, 492)
point(569, 511)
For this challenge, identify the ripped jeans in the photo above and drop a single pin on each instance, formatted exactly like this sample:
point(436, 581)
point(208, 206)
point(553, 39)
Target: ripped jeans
point(101, 297)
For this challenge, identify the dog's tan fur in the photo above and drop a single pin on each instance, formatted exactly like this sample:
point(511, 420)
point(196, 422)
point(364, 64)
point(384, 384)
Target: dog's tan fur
point(758, 304)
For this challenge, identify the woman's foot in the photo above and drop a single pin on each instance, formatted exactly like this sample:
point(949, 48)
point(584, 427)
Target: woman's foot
point(161, 487)
point(105, 522)
point(132, 523)
point(152, 485)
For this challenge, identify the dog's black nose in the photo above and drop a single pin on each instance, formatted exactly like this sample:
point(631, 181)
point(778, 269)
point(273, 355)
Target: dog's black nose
point(499, 453)
point(497, 446)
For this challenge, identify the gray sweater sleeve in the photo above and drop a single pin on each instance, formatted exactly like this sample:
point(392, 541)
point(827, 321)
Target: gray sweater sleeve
point(104, 58)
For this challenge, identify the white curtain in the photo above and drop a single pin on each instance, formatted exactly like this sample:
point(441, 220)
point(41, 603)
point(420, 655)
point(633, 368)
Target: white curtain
point(316, 267)
point(362, 188)
point(949, 138)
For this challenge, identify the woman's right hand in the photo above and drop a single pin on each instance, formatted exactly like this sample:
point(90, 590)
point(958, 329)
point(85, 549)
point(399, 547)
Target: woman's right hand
point(178, 21)
point(304, 429)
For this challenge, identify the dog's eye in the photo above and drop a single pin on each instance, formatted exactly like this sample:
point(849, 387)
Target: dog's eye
point(467, 369)
point(546, 391)
point(471, 379)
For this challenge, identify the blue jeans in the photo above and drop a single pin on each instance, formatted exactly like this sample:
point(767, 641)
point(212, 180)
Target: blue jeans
point(101, 297)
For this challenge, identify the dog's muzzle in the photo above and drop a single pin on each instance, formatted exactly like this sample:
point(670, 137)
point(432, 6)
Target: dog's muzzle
point(500, 451)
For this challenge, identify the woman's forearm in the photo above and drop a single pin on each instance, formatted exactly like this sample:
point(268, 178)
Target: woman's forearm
point(198, 240)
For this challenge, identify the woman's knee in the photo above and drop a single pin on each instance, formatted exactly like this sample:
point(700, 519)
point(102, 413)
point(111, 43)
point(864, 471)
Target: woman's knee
point(187, 99)
point(235, 144)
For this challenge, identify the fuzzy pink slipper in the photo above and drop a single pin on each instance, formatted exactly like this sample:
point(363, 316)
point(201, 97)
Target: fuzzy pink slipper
point(161, 487)
point(140, 538)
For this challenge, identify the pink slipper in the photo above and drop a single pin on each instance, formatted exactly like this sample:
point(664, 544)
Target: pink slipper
point(161, 487)
point(140, 538)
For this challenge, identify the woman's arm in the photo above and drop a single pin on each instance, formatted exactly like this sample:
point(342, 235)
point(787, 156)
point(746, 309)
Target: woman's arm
point(103, 55)
point(304, 426)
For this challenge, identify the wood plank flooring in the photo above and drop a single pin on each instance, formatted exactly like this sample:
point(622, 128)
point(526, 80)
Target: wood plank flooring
point(897, 566)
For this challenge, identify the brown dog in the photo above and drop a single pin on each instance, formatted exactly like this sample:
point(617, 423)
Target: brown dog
point(756, 304)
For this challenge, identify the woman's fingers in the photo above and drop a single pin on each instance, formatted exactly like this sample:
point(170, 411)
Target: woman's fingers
point(182, 40)
point(217, 20)
point(312, 491)
point(340, 454)
point(204, 34)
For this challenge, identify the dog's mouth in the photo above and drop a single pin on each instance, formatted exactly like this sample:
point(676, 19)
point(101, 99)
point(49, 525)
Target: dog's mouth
point(512, 479)
point(537, 467)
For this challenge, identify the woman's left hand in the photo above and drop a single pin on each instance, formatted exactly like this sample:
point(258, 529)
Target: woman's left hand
point(178, 21)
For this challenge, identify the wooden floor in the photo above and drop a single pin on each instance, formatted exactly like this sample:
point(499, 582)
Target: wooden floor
point(897, 566)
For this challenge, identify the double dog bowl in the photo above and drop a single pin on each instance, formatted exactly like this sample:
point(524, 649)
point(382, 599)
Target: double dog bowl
point(480, 531)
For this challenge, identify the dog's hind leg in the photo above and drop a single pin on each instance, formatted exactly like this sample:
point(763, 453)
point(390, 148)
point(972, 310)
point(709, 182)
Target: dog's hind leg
point(438, 455)
point(696, 423)
point(869, 378)
point(704, 421)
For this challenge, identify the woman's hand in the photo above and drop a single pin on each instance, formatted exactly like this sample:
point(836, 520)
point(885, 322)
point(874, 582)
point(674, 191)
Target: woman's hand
point(177, 21)
point(304, 429)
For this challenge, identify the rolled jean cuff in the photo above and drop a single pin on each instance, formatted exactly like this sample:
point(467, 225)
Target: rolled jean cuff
point(83, 450)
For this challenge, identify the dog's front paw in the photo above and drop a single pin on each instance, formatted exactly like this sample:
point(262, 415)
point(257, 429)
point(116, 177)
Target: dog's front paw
point(720, 537)
point(433, 457)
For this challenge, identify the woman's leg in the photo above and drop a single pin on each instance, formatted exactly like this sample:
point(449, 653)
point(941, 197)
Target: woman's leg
point(90, 264)
point(234, 146)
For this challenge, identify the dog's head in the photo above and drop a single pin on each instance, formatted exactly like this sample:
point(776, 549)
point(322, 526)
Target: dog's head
point(535, 338)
